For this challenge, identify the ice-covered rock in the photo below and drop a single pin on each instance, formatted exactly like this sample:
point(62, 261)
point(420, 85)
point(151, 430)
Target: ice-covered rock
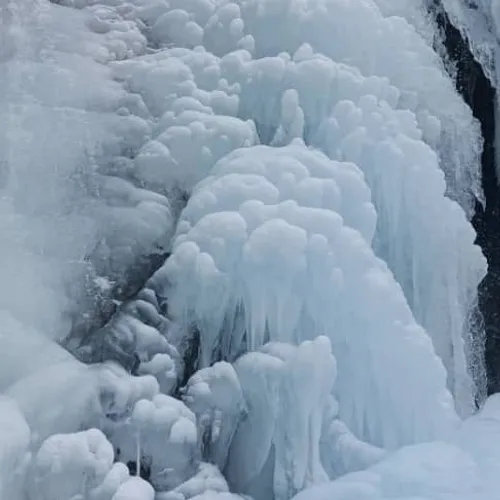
point(71, 465)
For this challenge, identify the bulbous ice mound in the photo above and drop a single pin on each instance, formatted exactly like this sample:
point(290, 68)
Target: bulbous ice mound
point(264, 251)
point(421, 234)
point(356, 119)
point(307, 77)
point(68, 464)
point(341, 31)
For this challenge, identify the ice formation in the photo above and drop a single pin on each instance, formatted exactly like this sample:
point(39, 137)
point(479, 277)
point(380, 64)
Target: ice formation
point(208, 479)
point(215, 396)
point(76, 122)
point(464, 468)
point(285, 389)
point(348, 116)
point(15, 449)
point(162, 431)
point(134, 488)
point(321, 278)
point(305, 172)
point(70, 465)
point(479, 22)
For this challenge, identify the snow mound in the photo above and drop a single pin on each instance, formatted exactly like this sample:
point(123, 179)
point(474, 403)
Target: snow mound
point(432, 471)
point(274, 175)
point(465, 467)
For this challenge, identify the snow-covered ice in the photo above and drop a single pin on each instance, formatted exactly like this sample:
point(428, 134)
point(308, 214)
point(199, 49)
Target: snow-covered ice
point(72, 464)
point(463, 468)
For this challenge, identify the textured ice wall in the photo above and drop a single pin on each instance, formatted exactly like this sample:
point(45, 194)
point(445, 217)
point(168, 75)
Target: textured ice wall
point(303, 221)
point(66, 119)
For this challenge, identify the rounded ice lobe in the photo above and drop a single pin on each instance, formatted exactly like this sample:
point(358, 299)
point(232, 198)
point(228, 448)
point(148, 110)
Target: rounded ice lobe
point(134, 488)
point(320, 276)
point(164, 435)
point(70, 464)
point(188, 143)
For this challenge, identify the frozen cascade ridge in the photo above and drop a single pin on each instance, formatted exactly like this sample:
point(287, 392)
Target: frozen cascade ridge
point(236, 255)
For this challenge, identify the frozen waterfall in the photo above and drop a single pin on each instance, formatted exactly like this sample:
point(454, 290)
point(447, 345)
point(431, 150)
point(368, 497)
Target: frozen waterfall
point(236, 254)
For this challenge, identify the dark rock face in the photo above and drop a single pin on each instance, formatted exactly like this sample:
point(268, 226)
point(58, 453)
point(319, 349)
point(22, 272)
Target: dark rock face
point(99, 308)
point(479, 94)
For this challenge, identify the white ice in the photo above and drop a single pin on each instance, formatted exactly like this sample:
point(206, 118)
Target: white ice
point(465, 467)
point(319, 145)
point(70, 465)
point(321, 278)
